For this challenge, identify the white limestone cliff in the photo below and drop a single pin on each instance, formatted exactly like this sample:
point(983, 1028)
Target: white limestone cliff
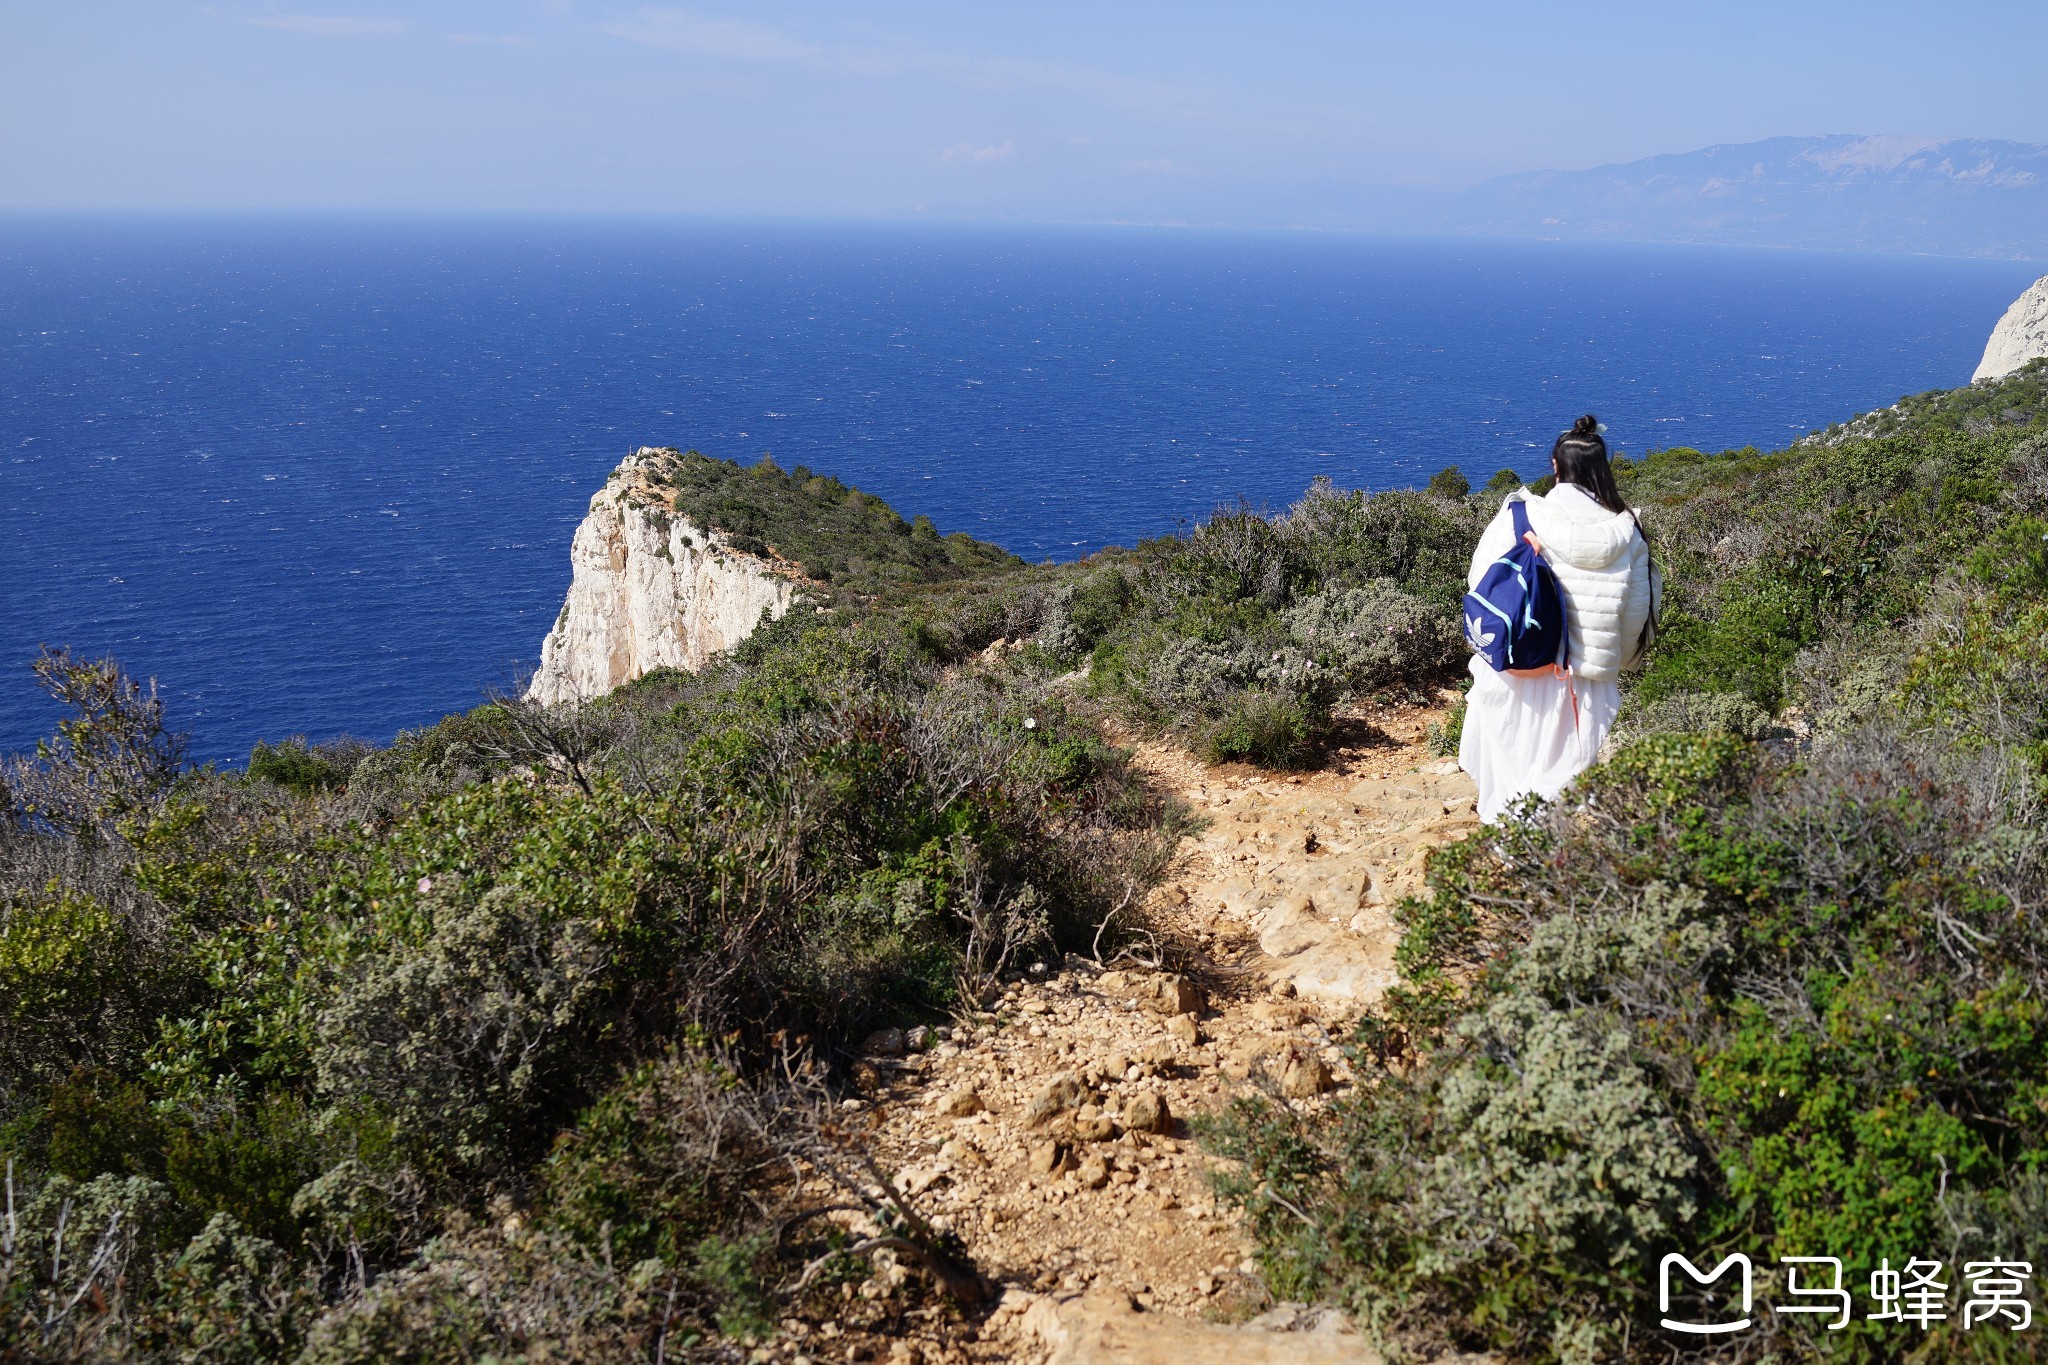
point(2021, 335)
point(650, 590)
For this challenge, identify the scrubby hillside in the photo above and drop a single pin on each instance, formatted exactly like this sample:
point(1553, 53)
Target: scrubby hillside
point(1782, 999)
point(513, 1038)
point(286, 1050)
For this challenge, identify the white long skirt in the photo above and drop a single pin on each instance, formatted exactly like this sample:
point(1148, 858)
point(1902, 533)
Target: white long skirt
point(1523, 735)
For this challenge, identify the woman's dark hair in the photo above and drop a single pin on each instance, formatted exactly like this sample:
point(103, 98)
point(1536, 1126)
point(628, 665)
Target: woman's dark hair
point(1581, 456)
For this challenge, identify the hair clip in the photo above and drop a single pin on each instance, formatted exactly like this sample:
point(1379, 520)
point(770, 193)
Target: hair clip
point(1600, 427)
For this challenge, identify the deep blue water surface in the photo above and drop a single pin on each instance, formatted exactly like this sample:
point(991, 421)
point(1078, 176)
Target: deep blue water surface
point(320, 476)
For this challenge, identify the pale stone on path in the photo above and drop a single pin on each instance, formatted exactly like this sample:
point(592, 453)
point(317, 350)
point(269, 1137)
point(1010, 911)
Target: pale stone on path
point(1147, 1113)
point(1059, 1095)
point(956, 1150)
point(962, 1103)
point(1045, 1158)
point(1095, 1128)
point(1305, 1077)
point(1174, 995)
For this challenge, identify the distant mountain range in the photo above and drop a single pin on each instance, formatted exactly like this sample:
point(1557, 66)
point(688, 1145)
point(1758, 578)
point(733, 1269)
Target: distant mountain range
point(1959, 197)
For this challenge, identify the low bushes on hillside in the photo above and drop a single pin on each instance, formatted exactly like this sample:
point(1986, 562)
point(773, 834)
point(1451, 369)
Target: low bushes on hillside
point(1827, 549)
point(839, 535)
point(1725, 1004)
point(1779, 998)
point(297, 1051)
point(1243, 637)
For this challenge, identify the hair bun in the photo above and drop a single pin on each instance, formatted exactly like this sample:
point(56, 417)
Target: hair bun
point(1587, 426)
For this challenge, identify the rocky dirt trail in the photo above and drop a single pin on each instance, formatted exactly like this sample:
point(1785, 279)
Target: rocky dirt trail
point(1049, 1131)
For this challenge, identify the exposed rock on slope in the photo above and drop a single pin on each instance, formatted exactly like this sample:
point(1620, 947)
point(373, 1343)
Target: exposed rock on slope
point(650, 590)
point(2020, 336)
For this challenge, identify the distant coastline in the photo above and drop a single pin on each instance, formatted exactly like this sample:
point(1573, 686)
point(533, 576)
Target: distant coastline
point(1964, 198)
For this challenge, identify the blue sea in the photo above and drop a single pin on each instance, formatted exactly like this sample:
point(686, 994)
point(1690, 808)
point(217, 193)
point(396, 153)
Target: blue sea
point(319, 476)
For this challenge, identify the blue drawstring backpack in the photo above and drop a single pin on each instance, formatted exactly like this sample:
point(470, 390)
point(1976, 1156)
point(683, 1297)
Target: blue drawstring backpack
point(1515, 617)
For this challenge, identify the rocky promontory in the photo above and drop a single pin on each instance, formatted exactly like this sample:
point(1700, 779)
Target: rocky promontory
point(2020, 336)
point(651, 589)
point(682, 556)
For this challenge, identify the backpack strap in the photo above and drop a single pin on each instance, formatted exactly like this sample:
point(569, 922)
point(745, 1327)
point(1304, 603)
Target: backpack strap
point(1518, 509)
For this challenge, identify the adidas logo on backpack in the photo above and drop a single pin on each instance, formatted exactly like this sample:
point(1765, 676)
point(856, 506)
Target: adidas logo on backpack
point(1514, 618)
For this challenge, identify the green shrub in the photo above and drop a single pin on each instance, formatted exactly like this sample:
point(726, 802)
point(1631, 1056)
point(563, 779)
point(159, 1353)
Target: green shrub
point(304, 767)
point(1377, 639)
point(65, 985)
point(244, 1157)
point(1819, 555)
point(81, 1264)
point(1193, 678)
point(1443, 737)
point(503, 927)
point(547, 1297)
point(1982, 671)
point(430, 762)
point(1269, 729)
point(1503, 482)
point(1240, 554)
point(99, 1121)
point(663, 1161)
point(1699, 713)
point(113, 756)
point(1254, 699)
point(230, 1297)
point(1079, 614)
point(1743, 650)
point(1420, 542)
point(1449, 482)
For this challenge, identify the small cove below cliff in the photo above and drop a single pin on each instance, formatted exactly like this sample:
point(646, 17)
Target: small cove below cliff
point(321, 476)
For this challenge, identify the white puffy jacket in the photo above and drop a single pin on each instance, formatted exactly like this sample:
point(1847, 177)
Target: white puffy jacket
point(1600, 561)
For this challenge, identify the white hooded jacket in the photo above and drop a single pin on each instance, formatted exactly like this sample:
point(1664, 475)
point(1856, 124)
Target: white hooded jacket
point(1603, 565)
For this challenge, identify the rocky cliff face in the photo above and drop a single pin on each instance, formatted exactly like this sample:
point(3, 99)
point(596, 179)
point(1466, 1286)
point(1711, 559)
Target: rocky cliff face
point(2021, 335)
point(650, 590)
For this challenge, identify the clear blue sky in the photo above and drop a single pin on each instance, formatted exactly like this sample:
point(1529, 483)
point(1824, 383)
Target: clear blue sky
point(1050, 109)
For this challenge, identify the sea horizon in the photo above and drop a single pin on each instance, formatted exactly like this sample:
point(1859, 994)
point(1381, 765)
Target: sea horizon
point(937, 221)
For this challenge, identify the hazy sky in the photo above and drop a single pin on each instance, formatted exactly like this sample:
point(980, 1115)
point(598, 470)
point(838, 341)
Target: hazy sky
point(1099, 111)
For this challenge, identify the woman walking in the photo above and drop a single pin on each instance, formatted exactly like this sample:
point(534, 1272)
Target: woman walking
point(1536, 731)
